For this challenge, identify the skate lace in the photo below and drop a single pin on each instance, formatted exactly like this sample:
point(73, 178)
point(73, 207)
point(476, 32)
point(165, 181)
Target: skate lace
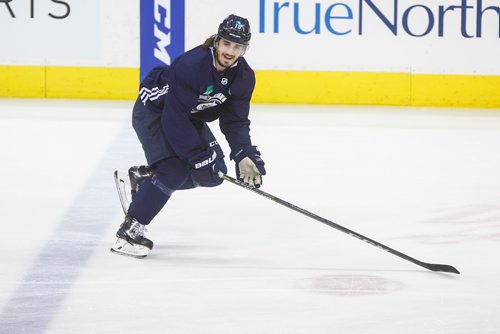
point(137, 230)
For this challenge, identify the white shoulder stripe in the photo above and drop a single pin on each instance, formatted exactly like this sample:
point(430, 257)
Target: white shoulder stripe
point(152, 94)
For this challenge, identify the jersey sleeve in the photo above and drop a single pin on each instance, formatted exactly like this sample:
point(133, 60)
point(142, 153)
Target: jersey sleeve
point(234, 121)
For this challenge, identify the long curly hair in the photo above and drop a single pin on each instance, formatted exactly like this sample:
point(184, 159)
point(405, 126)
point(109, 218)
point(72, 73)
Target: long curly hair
point(209, 41)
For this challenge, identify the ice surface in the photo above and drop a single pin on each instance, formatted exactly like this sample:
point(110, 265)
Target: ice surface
point(423, 181)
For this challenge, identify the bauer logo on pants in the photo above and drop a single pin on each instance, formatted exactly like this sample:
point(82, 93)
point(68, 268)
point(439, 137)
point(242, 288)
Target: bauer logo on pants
point(162, 32)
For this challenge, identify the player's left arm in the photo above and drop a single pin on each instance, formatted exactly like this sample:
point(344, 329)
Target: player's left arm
point(235, 124)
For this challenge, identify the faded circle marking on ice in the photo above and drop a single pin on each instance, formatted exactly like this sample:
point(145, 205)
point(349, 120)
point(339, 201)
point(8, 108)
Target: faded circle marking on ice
point(349, 285)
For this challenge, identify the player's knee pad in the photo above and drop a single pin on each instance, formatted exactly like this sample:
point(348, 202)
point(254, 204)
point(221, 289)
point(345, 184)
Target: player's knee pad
point(170, 174)
point(155, 180)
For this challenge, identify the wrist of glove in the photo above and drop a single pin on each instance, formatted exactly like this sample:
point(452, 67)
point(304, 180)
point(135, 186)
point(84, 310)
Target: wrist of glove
point(205, 168)
point(249, 166)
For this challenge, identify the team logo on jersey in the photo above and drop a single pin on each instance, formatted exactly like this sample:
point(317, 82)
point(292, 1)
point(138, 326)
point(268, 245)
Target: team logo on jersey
point(224, 81)
point(209, 90)
point(207, 101)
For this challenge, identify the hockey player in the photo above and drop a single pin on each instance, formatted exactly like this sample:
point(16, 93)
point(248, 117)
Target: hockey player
point(212, 81)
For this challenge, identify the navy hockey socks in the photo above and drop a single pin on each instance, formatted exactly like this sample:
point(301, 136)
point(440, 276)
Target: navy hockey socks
point(147, 202)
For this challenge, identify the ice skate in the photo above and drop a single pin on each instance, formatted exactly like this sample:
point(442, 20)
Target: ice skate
point(137, 175)
point(127, 184)
point(131, 240)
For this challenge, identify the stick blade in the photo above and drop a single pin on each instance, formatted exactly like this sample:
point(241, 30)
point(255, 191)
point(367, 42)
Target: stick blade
point(440, 267)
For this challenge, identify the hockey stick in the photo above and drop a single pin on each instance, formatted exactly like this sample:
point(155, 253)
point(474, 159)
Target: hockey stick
point(431, 266)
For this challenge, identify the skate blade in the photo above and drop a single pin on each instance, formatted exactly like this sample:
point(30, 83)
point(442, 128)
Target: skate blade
point(122, 182)
point(122, 247)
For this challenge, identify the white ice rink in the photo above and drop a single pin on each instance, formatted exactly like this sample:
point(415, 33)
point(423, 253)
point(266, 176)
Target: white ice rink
point(423, 181)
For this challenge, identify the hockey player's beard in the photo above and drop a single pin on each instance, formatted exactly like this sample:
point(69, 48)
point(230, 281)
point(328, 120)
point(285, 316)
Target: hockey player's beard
point(223, 62)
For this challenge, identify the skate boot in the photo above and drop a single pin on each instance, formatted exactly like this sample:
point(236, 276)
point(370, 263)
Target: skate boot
point(127, 184)
point(137, 175)
point(131, 240)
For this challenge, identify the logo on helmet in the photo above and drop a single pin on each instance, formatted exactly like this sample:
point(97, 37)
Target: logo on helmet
point(235, 29)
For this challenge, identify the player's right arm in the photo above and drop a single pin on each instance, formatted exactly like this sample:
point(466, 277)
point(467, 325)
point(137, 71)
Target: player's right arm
point(178, 128)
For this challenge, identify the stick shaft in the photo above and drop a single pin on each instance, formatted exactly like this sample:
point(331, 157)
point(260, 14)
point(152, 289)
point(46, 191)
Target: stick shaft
point(430, 266)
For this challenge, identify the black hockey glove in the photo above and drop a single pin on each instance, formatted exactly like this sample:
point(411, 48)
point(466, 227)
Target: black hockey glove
point(206, 167)
point(249, 166)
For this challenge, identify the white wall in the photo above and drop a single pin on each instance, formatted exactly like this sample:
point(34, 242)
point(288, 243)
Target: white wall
point(106, 33)
point(95, 33)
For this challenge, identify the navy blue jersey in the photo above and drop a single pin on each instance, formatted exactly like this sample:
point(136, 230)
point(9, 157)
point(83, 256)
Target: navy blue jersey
point(191, 91)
